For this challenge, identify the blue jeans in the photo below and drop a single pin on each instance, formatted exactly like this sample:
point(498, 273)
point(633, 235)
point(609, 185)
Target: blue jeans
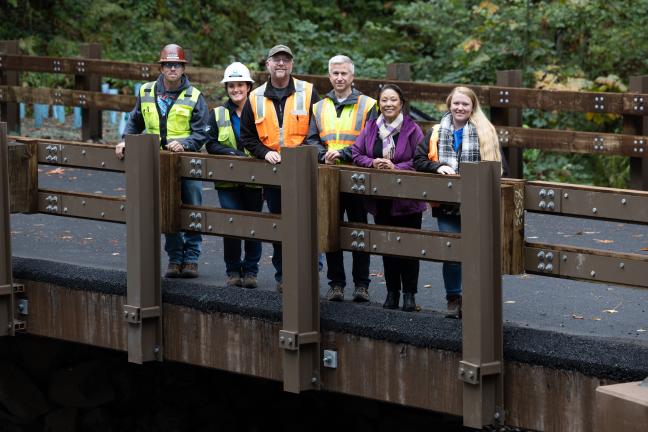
point(241, 198)
point(184, 247)
point(451, 269)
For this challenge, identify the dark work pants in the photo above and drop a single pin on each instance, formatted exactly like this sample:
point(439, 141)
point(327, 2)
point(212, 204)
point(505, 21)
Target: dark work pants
point(335, 260)
point(399, 271)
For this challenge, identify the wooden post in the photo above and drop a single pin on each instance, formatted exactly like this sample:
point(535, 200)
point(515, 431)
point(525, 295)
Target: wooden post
point(10, 111)
point(6, 280)
point(143, 309)
point(299, 337)
point(91, 126)
point(328, 209)
point(513, 227)
point(510, 117)
point(170, 192)
point(481, 367)
point(23, 175)
point(638, 125)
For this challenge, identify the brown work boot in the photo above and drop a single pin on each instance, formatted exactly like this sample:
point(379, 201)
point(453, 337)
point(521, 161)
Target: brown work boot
point(335, 293)
point(454, 307)
point(249, 281)
point(190, 270)
point(233, 280)
point(173, 270)
point(361, 294)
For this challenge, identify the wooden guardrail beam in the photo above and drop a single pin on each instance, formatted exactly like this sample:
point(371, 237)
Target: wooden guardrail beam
point(76, 98)
point(82, 205)
point(586, 264)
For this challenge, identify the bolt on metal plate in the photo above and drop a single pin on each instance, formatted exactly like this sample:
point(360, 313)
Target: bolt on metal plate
point(330, 359)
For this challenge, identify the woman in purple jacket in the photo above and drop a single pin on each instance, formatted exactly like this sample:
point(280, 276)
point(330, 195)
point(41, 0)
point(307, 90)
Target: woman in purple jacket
point(389, 143)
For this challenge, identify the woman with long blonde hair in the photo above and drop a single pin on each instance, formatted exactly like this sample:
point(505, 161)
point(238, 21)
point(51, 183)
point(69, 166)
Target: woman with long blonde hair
point(464, 135)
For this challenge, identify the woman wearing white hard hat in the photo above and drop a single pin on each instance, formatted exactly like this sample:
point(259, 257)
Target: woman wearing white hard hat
point(224, 139)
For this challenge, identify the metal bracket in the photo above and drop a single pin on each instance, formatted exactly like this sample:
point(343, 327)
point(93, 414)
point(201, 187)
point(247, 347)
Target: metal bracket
point(360, 183)
point(599, 144)
point(196, 221)
point(23, 306)
point(145, 71)
point(472, 373)
point(599, 103)
point(291, 341)
point(638, 145)
point(360, 240)
point(7, 289)
point(19, 325)
point(57, 66)
point(196, 167)
point(135, 314)
point(546, 263)
point(504, 97)
point(503, 136)
point(638, 103)
point(81, 67)
point(330, 359)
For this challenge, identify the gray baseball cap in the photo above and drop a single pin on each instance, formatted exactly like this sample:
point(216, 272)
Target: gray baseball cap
point(280, 49)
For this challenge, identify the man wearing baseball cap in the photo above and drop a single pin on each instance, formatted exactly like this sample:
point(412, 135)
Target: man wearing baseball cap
point(276, 115)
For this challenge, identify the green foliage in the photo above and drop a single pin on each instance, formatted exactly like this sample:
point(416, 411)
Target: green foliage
point(574, 44)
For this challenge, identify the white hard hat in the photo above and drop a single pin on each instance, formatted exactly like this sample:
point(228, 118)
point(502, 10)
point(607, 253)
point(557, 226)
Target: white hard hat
point(237, 72)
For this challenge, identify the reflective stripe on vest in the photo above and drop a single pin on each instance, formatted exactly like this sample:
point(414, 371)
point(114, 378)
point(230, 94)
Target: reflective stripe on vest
point(433, 149)
point(294, 129)
point(178, 117)
point(226, 135)
point(339, 132)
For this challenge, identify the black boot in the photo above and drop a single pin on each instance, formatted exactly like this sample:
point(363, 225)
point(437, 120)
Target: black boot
point(409, 303)
point(392, 300)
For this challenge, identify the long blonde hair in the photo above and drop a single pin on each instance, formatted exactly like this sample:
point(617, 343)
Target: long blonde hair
point(488, 141)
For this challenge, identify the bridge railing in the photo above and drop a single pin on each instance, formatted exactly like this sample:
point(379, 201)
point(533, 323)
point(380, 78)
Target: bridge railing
point(506, 100)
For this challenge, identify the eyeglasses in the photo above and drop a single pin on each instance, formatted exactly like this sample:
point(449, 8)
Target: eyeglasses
point(284, 60)
point(172, 65)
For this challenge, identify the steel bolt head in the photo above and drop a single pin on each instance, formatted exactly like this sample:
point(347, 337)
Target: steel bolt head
point(399, 181)
point(541, 266)
point(424, 194)
point(550, 205)
point(314, 380)
point(621, 266)
point(354, 234)
point(542, 193)
point(274, 170)
point(361, 245)
point(192, 163)
point(565, 195)
point(549, 267)
point(594, 210)
point(252, 232)
point(230, 220)
point(497, 416)
point(423, 252)
point(354, 177)
point(449, 185)
point(542, 204)
point(551, 193)
point(448, 244)
point(624, 201)
point(592, 273)
point(564, 258)
point(549, 256)
point(231, 166)
point(361, 178)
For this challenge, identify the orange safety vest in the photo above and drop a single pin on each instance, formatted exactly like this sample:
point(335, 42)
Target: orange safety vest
point(294, 129)
point(433, 150)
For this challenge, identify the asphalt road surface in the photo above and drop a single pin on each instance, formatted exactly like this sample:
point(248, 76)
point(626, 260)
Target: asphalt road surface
point(529, 300)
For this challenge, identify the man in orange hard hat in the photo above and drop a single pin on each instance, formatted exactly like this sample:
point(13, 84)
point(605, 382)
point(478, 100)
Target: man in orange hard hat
point(277, 115)
point(176, 111)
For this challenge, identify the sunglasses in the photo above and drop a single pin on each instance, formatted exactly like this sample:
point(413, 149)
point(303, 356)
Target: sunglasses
point(172, 65)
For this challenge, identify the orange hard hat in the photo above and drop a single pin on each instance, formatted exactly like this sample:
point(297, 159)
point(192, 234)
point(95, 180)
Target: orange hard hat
point(172, 53)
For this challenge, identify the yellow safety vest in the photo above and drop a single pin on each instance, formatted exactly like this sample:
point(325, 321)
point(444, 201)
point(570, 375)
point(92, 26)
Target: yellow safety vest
point(226, 136)
point(178, 117)
point(339, 132)
point(295, 119)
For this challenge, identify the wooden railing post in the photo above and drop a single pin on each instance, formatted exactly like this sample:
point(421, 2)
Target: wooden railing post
point(300, 337)
point(91, 126)
point(143, 308)
point(23, 175)
point(638, 125)
point(10, 111)
point(510, 117)
point(481, 368)
point(6, 281)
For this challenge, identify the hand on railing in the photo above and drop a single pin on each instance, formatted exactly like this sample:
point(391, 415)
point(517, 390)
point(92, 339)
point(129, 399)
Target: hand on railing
point(445, 170)
point(382, 163)
point(120, 149)
point(273, 157)
point(331, 157)
point(175, 146)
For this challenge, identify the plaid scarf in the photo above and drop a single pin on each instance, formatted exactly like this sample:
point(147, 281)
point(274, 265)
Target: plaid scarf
point(469, 150)
point(387, 132)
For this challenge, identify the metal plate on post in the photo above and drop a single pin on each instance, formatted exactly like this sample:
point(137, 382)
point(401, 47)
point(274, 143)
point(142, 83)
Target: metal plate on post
point(7, 306)
point(605, 205)
point(231, 223)
point(400, 184)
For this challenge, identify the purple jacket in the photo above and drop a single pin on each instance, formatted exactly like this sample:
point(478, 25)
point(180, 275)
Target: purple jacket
point(410, 136)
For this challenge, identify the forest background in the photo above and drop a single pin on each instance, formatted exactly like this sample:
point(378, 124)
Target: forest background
point(564, 44)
